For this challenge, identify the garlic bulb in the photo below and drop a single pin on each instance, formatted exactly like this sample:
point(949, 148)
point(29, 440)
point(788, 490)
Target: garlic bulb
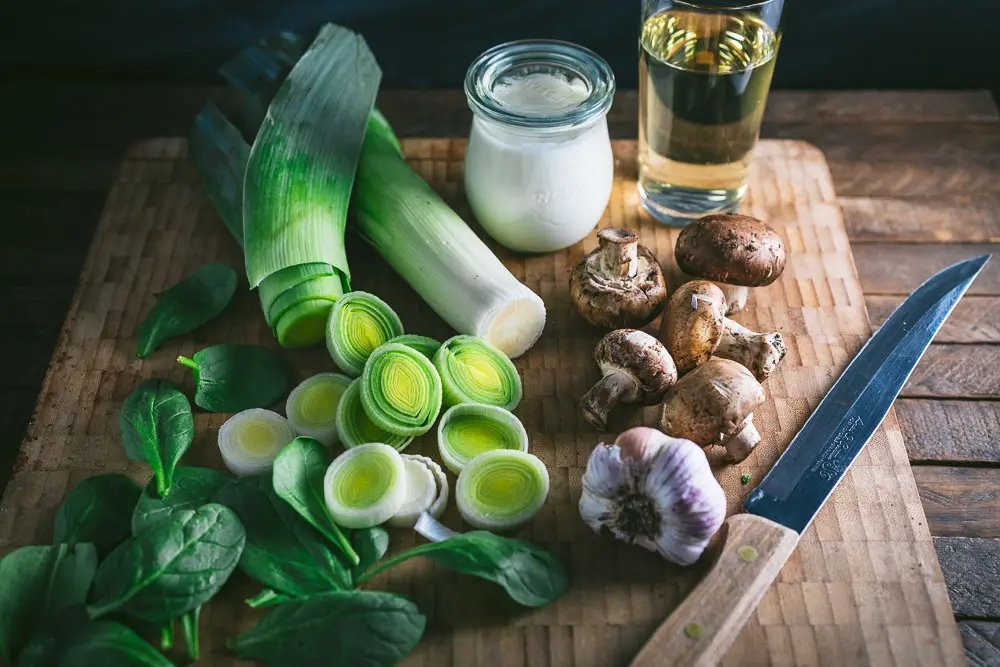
point(654, 491)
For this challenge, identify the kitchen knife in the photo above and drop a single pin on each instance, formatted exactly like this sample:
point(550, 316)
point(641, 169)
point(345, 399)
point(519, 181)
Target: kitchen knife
point(757, 543)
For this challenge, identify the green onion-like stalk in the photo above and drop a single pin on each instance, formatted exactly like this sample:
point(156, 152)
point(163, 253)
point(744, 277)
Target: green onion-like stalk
point(425, 345)
point(436, 252)
point(359, 323)
point(473, 371)
point(355, 428)
point(468, 430)
point(401, 390)
point(312, 406)
point(501, 489)
point(250, 440)
point(365, 486)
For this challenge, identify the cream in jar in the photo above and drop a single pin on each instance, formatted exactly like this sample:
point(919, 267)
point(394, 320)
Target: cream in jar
point(538, 167)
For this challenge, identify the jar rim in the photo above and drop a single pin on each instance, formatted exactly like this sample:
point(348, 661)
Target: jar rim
point(549, 55)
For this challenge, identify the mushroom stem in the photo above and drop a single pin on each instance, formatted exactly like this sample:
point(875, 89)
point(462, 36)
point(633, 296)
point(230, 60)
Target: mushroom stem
point(736, 297)
point(619, 252)
point(603, 396)
point(760, 352)
point(741, 444)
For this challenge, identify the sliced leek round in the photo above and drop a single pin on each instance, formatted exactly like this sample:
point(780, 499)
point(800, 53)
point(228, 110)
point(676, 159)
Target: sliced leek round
point(359, 322)
point(312, 406)
point(467, 430)
point(501, 489)
point(365, 486)
point(425, 345)
point(250, 440)
point(426, 491)
point(473, 371)
point(401, 390)
point(355, 428)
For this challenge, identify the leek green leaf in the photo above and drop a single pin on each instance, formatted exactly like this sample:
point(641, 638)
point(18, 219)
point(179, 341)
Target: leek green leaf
point(187, 305)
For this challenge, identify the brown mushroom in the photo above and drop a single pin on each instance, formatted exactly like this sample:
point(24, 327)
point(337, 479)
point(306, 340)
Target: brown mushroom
point(713, 405)
point(635, 368)
point(693, 324)
point(695, 328)
point(735, 251)
point(619, 284)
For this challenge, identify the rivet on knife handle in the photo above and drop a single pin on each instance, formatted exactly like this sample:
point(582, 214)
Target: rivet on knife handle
point(705, 625)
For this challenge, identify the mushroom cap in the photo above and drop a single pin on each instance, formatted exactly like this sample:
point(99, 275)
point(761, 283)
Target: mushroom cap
point(731, 248)
point(711, 403)
point(640, 356)
point(694, 323)
point(609, 300)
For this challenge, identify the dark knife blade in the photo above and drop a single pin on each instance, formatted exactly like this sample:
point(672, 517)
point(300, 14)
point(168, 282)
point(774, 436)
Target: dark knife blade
point(820, 454)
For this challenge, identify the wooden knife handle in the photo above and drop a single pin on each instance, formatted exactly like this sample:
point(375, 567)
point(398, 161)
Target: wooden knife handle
point(702, 629)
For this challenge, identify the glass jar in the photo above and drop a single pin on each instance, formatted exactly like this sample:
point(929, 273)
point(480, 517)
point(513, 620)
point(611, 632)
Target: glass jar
point(538, 167)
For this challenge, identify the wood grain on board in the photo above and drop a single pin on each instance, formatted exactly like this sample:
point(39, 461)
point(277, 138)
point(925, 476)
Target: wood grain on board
point(863, 586)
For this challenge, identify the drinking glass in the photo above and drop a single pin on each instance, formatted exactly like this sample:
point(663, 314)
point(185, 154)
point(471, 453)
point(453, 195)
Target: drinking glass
point(704, 73)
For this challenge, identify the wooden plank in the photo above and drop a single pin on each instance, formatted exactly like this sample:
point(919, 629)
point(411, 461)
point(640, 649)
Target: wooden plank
point(872, 106)
point(971, 568)
point(976, 319)
point(956, 371)
point(904, 159)
point(982, 642)
point(899, 268)
point(922, 219)
point(868, 552)
point(950, 431)
point(960, 502)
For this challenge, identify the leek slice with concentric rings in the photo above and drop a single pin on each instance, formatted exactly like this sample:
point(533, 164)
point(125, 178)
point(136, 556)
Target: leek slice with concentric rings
point(401, 390)
point(473, 371)
point(467, 430)
point(355, 428)
point(501, 489)
point(365, 486)
point(425, 345)
point(426, 491)
point(312, 406)
point(359, 322)
point(250, 440)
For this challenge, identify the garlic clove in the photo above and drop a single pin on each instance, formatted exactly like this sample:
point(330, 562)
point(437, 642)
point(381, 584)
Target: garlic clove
point(654, 491)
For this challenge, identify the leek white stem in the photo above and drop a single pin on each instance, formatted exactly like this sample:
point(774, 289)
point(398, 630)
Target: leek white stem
point(250, 440)
point(432, 529)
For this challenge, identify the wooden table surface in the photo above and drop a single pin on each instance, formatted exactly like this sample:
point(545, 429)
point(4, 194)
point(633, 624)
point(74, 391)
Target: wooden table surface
point(917, 175)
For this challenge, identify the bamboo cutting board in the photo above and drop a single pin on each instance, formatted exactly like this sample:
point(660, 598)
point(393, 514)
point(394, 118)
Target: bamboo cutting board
point(863, 587)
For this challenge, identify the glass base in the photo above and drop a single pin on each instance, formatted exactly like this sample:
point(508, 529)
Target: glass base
point(677, 206)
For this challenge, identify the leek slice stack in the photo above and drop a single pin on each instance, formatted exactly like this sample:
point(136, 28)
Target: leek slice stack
point(468, 430)
point(473, 371)
point(355, 428)
point(359, 323)
point(312, 406)
point(365, 486)
point(502, 489)
point(400, 390)
point(423, 344)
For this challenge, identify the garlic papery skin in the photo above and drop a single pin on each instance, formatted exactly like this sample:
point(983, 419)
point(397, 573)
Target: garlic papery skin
point(655, 491)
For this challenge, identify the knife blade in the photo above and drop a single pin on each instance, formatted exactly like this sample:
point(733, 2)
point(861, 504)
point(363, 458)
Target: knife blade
point(757, 543)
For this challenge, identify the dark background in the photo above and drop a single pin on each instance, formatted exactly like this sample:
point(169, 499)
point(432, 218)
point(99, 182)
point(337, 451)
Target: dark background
point(428, 43)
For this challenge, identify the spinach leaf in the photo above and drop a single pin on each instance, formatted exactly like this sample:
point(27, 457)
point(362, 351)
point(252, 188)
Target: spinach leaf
point(92, 643)
point(172, 567)
point(530, 575)
point(267, 598)
point(357, 628)
point(189, 624)
point(157, 426)
point(192, 488)
point(97, 510)
point(184, 307)
point(370, 545)
point(234, 377)
point(283, 551)
point(297, 475)
point(37, 584)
